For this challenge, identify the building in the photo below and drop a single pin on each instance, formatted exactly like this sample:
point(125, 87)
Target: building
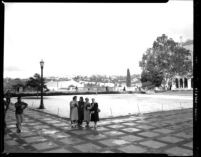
point(189, 46)
point(184, 82)
point(63, 85)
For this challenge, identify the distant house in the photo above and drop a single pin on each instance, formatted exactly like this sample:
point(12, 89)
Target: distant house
point(136, 83)
point(52, 85)
point(189, 46)
point(63, 85)
point(109, 84)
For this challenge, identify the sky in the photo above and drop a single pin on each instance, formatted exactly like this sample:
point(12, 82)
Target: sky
point(88, 38)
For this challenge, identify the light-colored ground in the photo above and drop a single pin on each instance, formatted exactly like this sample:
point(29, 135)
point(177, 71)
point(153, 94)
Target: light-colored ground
point(112, 105)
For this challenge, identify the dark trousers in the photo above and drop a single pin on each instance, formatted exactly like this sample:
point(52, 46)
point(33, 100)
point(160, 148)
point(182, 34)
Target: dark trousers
point(80, 117)
point(19, 119)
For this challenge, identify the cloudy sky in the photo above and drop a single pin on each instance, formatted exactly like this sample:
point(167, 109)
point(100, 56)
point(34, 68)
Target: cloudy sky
point(87, 38)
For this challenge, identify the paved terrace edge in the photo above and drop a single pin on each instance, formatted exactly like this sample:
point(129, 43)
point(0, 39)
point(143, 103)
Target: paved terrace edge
point(116, 117)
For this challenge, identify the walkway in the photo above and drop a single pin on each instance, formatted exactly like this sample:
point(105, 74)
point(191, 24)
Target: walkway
point(169, 132)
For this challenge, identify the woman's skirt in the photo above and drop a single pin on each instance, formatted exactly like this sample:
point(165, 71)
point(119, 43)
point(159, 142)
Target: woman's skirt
point(74, 114)
point(87, 115)
point(95, 117)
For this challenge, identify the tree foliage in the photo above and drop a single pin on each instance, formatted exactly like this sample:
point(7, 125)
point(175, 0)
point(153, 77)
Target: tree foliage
point(35, 82)
point(152, 76)
point(165, 60)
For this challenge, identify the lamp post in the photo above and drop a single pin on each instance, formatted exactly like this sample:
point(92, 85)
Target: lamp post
point(41, 100)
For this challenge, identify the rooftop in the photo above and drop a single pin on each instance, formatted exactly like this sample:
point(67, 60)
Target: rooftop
point(188, 42)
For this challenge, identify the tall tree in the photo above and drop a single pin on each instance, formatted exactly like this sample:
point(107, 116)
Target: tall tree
point(166, 58)
point(35, 82)
point(128, 79)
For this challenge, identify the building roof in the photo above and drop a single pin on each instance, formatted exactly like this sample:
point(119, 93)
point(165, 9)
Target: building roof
point(188, 42)
point(62, 84)
point(136, 82)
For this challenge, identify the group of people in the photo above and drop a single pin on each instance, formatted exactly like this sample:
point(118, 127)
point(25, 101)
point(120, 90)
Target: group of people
point(83, 111)
point(80, 111)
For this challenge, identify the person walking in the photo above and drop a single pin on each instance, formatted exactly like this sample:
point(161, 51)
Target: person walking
point(19, 108)
point(6, 107)
point(94, 112)
point(80, 111)
point(87, 107)
point(74, 111)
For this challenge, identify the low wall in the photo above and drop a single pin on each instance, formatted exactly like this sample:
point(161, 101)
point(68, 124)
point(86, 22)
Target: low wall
point(68, 93)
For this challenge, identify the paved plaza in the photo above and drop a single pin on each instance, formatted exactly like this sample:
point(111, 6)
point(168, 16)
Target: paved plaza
point(169, 132)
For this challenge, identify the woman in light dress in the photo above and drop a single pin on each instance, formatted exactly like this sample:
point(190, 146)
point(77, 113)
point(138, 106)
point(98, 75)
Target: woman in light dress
point(74, 111)
point(87, 107)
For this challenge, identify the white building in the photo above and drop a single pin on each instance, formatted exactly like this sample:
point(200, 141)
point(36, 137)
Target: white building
point(63, 85)
point(184, 82)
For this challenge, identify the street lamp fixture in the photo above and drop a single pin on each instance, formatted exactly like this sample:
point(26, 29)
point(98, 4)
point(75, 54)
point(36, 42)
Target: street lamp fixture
point(41, 63)
point(41, 100)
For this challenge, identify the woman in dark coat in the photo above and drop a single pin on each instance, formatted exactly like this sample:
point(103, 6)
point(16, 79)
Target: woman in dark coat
point(94, 112)
point(80, 111)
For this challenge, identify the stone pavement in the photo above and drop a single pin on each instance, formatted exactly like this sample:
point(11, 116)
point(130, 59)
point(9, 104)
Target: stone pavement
point(169, 132)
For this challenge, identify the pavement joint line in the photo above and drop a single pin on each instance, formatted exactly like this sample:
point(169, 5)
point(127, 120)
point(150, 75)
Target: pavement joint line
point(116, 147)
